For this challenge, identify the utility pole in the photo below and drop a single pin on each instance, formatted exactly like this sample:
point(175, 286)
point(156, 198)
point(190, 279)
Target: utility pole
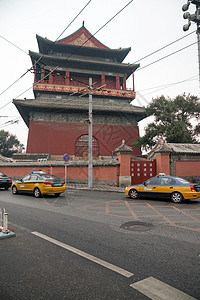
point(196, 19)
point(90, 150)
point(89, 120)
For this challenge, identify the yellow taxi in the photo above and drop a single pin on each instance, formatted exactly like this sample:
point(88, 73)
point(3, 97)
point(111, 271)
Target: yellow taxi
point(175, 188)
point(38, 184)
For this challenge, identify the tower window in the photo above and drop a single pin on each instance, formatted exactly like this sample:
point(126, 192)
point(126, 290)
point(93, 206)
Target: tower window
point(82, 146)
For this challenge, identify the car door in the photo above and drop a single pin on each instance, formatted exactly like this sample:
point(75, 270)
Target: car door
point(149, 188)
point(24, 185)
point(34, 180)
point(165, 187)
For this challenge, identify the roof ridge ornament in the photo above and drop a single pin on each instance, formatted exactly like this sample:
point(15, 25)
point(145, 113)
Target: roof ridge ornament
point(123, 149)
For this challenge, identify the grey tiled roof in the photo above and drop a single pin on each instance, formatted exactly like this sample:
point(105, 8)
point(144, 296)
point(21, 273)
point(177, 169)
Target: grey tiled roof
point(5, 159)
point(184, 148)
point(163, 146)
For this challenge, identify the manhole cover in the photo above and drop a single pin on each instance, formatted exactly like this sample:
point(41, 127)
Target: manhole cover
point(136, 226)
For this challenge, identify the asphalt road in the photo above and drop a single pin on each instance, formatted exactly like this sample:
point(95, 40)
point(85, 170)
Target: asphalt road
point(99, 245)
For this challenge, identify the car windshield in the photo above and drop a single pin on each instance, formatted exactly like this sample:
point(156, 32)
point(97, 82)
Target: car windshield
point(182, 180)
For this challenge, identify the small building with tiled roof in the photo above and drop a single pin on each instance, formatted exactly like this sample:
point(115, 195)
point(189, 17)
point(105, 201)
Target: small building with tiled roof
point(177, 159)
point(174, 148)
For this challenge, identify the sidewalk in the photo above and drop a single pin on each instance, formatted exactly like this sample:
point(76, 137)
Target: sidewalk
point(105, 188)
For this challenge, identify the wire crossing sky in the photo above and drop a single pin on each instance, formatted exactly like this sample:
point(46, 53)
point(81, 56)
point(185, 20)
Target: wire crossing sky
point(153, 30)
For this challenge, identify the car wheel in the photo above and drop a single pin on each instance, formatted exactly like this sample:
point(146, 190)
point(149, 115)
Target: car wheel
point(14, 190)
point(37, 193)
point(133, 194)
point(176, 197)
point(57, 194)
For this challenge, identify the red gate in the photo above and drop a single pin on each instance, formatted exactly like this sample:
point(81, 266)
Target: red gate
point(142, 170)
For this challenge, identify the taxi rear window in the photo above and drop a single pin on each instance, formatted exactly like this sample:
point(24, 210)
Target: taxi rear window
point(50, 177)
point(182, 180)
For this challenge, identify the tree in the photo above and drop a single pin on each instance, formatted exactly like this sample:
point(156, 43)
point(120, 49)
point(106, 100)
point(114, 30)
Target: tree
point(176, 120)
point(9, 144)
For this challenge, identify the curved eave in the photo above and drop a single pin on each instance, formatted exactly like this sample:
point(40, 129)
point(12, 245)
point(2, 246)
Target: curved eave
point(44, 45)
point(23, 110)
point(52, 61)
point(25, 106)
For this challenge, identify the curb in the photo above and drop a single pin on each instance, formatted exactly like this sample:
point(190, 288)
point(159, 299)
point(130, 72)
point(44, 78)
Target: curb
point(96, 188)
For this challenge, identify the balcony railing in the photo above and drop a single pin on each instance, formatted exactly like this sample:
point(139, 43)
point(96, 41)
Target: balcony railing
point(81, 90)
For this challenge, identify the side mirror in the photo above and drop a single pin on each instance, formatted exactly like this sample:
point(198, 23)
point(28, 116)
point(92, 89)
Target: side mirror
point(144, 183)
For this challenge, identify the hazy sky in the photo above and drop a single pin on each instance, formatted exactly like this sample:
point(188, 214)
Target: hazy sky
point(145, 26)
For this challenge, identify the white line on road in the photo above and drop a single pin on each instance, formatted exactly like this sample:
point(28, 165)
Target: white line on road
point(85, 255)
point(158, 290)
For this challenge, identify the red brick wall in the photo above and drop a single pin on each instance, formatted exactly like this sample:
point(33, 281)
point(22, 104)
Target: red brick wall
point(59, 138)
point(107, 173)
point(163, 164)
point(125, 168)
point(188, 168)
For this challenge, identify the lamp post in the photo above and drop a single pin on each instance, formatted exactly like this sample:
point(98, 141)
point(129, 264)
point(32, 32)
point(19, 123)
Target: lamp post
point(194, 18)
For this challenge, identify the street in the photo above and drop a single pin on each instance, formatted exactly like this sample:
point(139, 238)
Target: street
point(99, 245)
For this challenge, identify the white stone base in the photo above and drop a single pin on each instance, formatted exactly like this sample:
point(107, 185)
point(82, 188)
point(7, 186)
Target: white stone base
point(124, 181)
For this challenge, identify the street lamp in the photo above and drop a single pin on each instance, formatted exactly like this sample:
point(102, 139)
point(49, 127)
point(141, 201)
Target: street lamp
point(194, 18)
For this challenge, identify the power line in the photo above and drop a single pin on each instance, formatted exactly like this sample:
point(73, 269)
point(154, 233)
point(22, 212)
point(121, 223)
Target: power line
point(85, 42)
point(94, 33)
point(166, 56)
point(169, 84)
point(113, 17)
point(11, 122)
point(143, 67)
point(9, 117)
point(38, 81)
point(76, 50)
point(59, 110)
point(13, 84)
point(160, 88)
point(32, 68)
point(165, 46)
point(14, 45)
point(80, 45)
point(41, 55)
point(93, 36)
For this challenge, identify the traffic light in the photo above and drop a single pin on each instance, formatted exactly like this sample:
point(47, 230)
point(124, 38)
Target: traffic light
point(185, 7)
point(191, 17)
point(196, 2)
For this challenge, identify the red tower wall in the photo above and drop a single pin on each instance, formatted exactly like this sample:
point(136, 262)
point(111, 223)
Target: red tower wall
point(59, 138)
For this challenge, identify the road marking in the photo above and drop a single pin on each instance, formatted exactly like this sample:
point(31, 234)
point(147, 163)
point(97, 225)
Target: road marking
point(131, 210)
point(85, 255)
point(186, 214)
point(158, 290)
point(163, 216)
point(107, 208)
